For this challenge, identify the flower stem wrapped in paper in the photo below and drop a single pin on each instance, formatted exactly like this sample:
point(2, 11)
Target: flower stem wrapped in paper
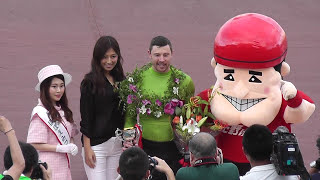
point(191, 117)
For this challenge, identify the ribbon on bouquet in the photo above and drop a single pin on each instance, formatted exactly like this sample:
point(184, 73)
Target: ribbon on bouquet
point(139, 128)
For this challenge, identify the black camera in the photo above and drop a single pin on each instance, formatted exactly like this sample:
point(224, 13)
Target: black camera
point(286, 155)
point(37, 172)
point(186, 157)
point(152, 164)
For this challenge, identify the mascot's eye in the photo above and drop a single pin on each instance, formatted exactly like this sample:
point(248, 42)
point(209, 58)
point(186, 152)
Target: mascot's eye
point(229, 77)
point(254, 79)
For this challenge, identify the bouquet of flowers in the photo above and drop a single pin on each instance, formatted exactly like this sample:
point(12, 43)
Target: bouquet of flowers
point(191, 117)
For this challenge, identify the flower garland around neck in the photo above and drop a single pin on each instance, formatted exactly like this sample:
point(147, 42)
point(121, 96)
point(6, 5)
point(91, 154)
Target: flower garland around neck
point(137, 102)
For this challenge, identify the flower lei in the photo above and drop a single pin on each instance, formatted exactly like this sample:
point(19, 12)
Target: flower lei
point(137, 102)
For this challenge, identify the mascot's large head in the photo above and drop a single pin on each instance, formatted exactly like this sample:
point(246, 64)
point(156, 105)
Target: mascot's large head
point(249, 54)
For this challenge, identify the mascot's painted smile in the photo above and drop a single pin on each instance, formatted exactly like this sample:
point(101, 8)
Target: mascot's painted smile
point(242, 104)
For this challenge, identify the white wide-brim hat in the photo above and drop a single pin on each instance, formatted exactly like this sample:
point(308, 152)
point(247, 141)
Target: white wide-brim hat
point(49, 71)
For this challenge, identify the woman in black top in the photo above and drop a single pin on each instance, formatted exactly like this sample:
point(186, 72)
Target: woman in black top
point(100, 112)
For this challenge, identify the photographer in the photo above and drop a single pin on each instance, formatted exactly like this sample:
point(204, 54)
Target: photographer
point(205, 161)
point(32, 169)
point(17, 166)
point(134, 164)
point(19, 157)
point(315, 165)
point(257, 146)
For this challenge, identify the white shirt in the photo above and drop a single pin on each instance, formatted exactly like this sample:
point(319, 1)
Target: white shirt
point(266, 172)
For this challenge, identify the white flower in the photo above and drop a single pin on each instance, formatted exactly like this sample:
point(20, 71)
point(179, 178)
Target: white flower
point(143, 110)
point(158, 114)
point(176, 90)
point(181, 121)
point(192, 127)
point(130, 79)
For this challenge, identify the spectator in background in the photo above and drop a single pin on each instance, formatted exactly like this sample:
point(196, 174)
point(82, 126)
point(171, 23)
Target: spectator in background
point(19, 157)
point(205, 161)
point(257, 146)
point(18, 164)
point(315, 165)
point(134, 165)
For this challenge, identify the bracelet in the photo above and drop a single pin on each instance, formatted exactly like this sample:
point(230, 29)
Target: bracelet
point(8, 131)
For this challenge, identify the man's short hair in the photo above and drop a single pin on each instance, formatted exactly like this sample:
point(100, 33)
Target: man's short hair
point(133, 164)
point(30, 156)
point(160, 41)
point(257, 142)
point(203, 145)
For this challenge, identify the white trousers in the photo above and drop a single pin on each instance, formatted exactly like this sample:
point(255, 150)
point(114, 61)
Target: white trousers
point(107, 160)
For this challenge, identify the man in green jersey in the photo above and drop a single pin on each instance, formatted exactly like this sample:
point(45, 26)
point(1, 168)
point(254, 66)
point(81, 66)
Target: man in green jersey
point(159, 82)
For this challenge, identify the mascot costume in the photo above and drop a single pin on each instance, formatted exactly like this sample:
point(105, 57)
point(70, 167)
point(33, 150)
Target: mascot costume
point(249, 63)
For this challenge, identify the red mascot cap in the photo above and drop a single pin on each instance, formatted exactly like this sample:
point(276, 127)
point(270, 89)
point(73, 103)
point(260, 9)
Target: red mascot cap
point(251, 41)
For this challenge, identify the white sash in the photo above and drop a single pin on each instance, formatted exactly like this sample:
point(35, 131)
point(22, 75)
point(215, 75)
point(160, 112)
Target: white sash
point(57, 128)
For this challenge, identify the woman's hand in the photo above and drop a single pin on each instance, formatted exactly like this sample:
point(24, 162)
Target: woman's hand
point(90, 157)
point(67, 148)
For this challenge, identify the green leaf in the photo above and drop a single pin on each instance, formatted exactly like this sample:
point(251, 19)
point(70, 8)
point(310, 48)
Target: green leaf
point(203, 102)
point(211, 116)
point(177, 111)
point(183, 112)
point(188, 114)
point(198, 110)
point(202, 121)
point(205, 110)
point(214, 128)
point(201, 112)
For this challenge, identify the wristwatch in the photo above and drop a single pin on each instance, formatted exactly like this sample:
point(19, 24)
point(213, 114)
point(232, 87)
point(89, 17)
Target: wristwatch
point(315, 164)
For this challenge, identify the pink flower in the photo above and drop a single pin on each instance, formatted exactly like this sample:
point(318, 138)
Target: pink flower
point(177, 81)
point(159, 103)
point(146, 102)
point(180, 103)
point(131, 98)
point(148, 111)
point(133, 87)
point(174, 102)
point(168, 109)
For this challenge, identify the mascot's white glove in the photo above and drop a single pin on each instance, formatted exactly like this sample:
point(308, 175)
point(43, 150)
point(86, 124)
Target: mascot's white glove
point(68, 148)
point(288, 90)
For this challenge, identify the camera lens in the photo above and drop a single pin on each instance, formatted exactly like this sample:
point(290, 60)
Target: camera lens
point(37, 171)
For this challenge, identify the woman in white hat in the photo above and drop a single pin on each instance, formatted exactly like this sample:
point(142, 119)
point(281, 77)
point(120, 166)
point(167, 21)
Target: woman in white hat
point(100, 112)
point(52, 127)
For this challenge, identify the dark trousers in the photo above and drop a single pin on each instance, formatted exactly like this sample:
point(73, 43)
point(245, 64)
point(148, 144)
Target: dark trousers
point(163, 150)
point(242, 167)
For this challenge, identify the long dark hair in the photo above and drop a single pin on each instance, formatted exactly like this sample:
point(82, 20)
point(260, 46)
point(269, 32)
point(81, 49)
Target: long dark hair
point(63, 102)
point(96, 74)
